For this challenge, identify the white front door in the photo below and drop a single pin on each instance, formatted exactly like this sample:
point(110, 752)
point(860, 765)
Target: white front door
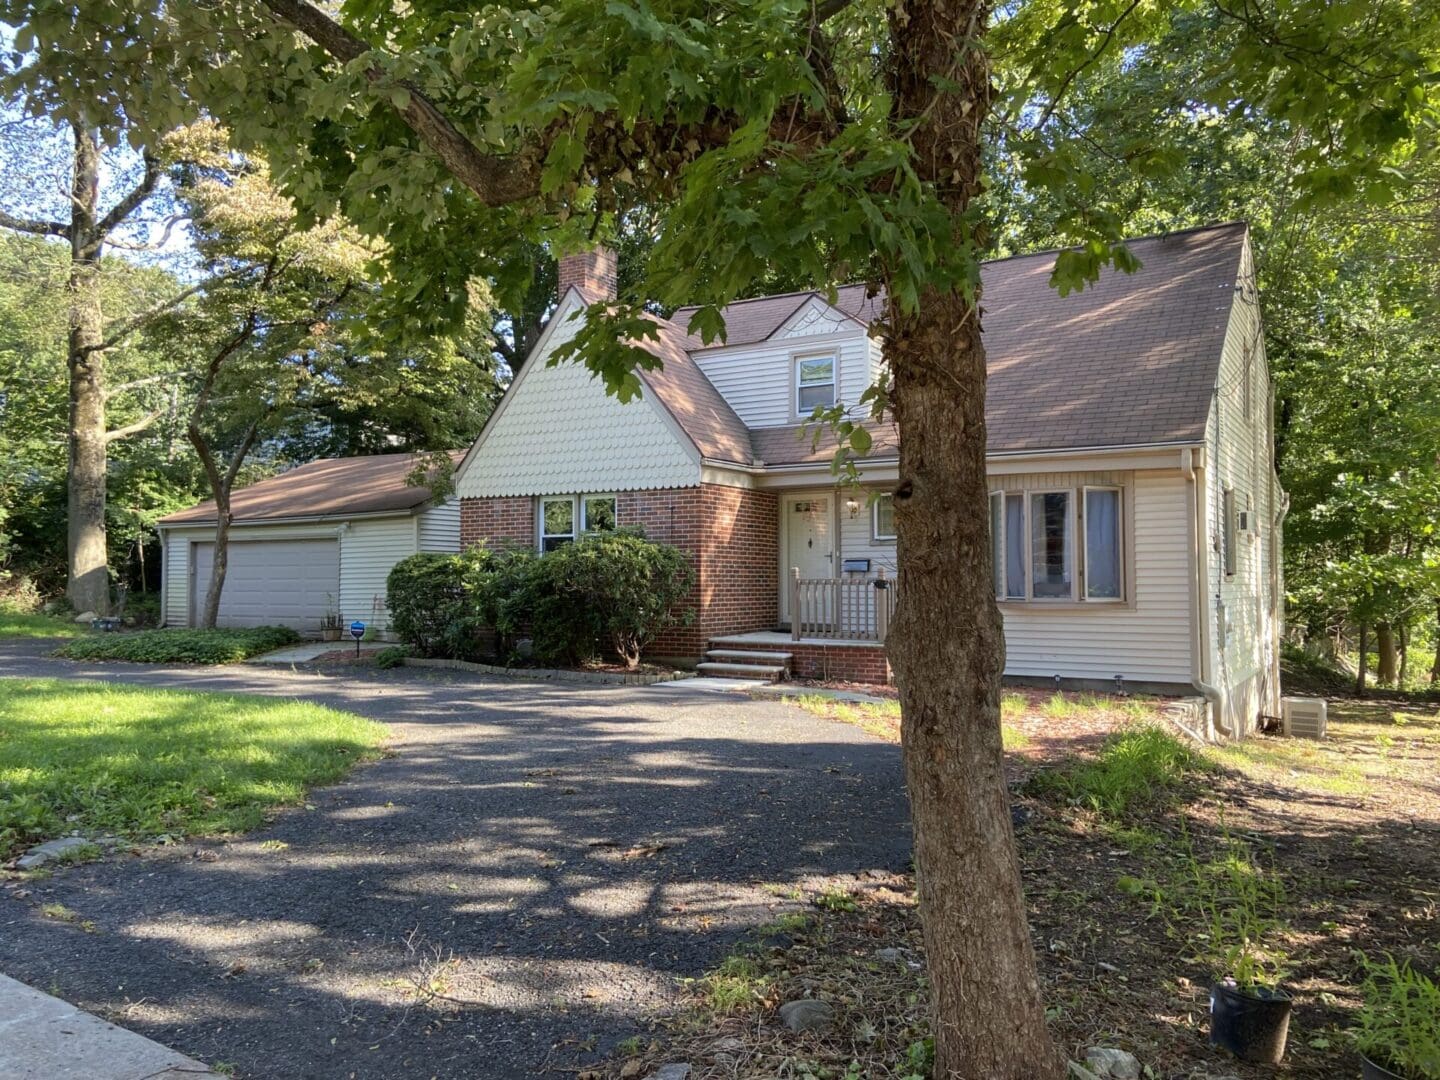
point(809, 531)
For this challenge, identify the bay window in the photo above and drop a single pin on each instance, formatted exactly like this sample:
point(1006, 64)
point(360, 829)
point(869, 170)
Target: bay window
point(1064, 544)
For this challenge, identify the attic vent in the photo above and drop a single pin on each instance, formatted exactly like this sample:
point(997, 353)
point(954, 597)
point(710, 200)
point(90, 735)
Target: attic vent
point(1303, 717)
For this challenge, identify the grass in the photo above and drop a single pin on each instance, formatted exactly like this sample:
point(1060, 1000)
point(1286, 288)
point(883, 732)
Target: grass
point(135, 762)
point(15, 623)
point(181, 646)
point(882, 718)
point(1135, 767)
point(1368, 748)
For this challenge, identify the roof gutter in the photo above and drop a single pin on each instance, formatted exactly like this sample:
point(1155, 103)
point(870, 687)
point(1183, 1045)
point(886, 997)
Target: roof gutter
point(299, 519)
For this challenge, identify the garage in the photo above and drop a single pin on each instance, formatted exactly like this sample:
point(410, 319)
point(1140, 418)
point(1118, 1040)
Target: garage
point(270, 583)
point(319, 539)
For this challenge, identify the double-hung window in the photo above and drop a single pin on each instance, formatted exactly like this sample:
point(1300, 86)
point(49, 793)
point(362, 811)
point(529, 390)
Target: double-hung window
point(557, 522)
point(597, 513)
point(883, 521)
point(814, 384)
point(564, 517)
point(1058, 544)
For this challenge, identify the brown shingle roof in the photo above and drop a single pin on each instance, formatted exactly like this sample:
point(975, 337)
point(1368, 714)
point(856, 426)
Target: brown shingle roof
point(792, 445)
point(1130, 360)
point(331, 488)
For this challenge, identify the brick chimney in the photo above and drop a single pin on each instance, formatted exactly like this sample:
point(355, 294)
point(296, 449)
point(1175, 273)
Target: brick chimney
point(593, 271)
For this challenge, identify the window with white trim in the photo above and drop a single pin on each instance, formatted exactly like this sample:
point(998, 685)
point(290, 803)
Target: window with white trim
point(597, 513)
point(814, 384)
point(557, 522)
point(883, 518)
point(1058, 544)
point(564, 517)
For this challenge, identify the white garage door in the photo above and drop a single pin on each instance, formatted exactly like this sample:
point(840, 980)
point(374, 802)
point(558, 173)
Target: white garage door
point(270, 583)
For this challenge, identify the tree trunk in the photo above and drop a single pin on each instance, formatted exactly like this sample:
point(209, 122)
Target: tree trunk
point(1385, 667)
point(1403, 634)
point(1363, 663)
point(88, 586)
point(1435, 665)
point(946, 643)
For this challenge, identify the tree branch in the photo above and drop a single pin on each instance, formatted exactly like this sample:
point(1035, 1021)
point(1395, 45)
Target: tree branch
point(126, 206)
point(495, 179)
point(135, 384)
point(126, 327)
point(135, 428)
point(39, 228)
point(1075, 71)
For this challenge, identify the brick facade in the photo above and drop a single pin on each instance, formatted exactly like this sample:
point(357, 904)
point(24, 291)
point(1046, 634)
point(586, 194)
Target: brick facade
point(497, 522)
point(731, 535)
point(847, 662)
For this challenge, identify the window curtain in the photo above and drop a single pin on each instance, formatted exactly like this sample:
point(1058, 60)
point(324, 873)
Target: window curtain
point(1102, 545)
point(1015, 547)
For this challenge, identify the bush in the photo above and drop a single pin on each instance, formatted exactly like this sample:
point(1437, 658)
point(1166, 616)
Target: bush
point(431, 598)
point(392, 657)
point(607, 589)
point(181, 646)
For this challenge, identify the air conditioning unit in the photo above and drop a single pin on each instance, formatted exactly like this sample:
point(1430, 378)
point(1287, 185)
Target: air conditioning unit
point(1303, 717)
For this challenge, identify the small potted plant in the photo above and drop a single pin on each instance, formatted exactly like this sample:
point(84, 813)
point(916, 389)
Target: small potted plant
point(1398, 1028)
point(1249, 1013)
point(330, 622)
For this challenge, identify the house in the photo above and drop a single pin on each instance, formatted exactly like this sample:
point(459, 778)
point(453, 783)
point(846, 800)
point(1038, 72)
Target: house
point(1135, 510)
point(319, 539)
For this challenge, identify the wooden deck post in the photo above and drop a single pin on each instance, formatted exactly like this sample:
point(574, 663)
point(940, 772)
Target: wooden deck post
point(795, 603)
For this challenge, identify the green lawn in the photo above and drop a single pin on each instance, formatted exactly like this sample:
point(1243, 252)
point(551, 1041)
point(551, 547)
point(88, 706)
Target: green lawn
point(24, 624)
point(140, 763)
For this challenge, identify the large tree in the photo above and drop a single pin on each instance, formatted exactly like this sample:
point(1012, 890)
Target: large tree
point(831, 140)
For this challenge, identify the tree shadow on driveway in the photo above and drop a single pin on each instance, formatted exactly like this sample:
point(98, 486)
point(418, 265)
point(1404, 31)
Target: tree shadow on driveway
point(516, 888)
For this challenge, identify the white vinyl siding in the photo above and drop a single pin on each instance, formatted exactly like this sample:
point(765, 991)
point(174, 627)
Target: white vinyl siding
point(558, 430)
point(1244, 610)
point(757, 380)
point(440, 527)
point(1146, 642)
point(368, 549)
point(857, 539)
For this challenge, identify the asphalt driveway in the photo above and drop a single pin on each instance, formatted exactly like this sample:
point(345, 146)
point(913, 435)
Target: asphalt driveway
point(546, 861)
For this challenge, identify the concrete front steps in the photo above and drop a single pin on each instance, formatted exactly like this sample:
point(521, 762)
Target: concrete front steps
point(729, 663)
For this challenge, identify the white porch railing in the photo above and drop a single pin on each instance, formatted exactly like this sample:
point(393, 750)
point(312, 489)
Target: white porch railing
point(846, 608)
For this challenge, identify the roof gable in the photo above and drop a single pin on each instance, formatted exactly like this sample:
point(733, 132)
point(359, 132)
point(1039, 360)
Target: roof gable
point(814, 317)
point(557, 431)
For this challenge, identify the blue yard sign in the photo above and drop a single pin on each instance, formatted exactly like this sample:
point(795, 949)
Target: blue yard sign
point(357, 629)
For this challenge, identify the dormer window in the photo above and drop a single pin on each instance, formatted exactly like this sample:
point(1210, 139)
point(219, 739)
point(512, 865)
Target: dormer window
point(814, 384)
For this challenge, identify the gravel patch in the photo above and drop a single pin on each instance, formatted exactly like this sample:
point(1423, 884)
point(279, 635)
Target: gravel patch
point(521, 885)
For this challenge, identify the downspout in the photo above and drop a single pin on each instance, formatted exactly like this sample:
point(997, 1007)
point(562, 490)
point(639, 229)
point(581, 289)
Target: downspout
point(1199, 594)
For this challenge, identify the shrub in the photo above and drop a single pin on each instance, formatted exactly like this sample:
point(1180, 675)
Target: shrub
point(1399, 1026)
point(612, 589)
point(181, 646)
point(502, 602)
point(431, 601)
point(392, 657)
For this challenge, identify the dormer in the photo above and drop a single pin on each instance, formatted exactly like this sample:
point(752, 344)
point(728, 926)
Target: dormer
point(787, 355)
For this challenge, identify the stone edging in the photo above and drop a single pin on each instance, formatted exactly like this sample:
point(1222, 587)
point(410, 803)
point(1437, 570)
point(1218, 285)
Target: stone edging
point(603, 678)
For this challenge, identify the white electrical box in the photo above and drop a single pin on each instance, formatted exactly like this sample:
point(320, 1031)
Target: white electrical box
point(1303, 717)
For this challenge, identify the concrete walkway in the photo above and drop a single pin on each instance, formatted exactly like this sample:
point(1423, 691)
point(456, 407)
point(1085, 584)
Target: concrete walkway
point(309, 650)
point(43, 1038)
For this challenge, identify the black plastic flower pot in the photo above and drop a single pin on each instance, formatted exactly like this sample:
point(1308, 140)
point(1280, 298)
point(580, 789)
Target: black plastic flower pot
point(1371, 1071)
point(1252, 1026)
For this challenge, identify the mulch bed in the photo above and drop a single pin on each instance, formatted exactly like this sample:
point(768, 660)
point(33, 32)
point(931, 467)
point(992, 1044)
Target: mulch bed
point(1362, 872)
